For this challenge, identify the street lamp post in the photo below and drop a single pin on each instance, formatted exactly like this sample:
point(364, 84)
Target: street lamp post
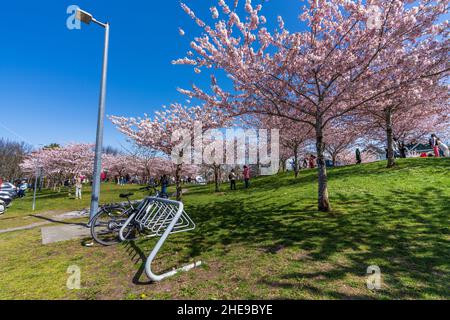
point(87, 18)
point(38, 175)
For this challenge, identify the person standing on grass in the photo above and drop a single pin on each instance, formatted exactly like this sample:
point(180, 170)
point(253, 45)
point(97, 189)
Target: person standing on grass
point(22, 189)
point(246, 174)
point(434, 145)
point(444, 148)
point(403, 150)
point(358, 156)
point(164, 184)
point(312, 161)
point(232, 178)
point(78, 187)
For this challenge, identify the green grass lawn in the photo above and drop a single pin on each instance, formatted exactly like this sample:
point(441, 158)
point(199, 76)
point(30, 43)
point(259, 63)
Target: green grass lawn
point(49, 203)
point(266, 242)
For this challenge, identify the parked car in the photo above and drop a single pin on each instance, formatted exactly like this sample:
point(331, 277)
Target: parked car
point(9, 188)
point(2, 207)
point(200, 180)
point(6, 198)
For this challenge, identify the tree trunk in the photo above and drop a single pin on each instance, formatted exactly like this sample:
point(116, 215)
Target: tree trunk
point(296, 167)
point(216, 178)
point(390, 138)
point(282, 168)
point(178, 181)
point(334, 155)
point(324, 202)
point(178, 177)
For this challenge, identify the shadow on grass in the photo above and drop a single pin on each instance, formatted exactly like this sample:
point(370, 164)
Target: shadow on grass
point(407, 244)
point(136, 251)
point(137, 257)
point(404, 233)
point(58, 221)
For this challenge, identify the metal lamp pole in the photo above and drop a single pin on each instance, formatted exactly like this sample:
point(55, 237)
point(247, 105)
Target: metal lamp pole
point(87, 18)
point(38, 175)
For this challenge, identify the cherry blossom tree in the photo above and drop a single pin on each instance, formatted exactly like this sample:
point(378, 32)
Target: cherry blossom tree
point(149, 165)
point(409, 113)
point(348, 56)
point(294, 137)
point(121, 164)
point(61, 163)
point(164, 131)
point(215, 158)
point(74, 159)
point(340, 138)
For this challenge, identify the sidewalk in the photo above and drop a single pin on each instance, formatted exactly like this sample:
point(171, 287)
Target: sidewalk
point(52, 219)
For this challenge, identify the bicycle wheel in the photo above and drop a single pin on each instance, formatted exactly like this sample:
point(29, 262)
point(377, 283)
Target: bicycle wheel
point(106, 224)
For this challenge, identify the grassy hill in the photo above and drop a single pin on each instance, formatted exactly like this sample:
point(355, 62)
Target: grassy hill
point(268, 242)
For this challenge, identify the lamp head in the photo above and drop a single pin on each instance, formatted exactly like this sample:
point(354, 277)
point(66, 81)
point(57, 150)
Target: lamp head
point(84, 16)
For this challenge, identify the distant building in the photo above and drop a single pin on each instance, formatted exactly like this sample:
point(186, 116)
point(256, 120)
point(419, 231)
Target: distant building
point(419, 148)
point(328, 163)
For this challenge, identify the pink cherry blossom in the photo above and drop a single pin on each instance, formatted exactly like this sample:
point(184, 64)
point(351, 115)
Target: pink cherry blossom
point(341, 63)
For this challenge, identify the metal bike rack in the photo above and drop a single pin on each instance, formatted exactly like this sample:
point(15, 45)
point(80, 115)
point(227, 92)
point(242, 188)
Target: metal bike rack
point(159, 218)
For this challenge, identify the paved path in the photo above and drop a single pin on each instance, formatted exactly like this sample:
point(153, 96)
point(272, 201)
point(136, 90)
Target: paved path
point(52, 219)
point(64, 233)
point(30, 226)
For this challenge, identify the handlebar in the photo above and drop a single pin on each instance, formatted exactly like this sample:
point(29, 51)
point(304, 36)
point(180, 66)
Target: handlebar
point(148, 187)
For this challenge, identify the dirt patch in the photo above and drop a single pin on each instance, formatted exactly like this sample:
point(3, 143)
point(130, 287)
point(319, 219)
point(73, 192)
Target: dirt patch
point(302, 256)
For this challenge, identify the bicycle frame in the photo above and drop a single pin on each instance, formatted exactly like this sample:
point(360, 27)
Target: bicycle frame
point(161, 217)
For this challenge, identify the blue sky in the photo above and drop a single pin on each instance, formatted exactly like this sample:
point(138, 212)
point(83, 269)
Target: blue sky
point(49, 75)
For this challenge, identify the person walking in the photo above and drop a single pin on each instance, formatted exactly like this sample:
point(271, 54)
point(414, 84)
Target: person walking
point(312, 161)
point(305, 163)
point(232, 178)
point(164, 184)
point(358, 156)
point(246, 174)
point(103, 176)
point(444, 148)
point(78, 187)
point(22, 189)
point(402, 149)
point(434, 144)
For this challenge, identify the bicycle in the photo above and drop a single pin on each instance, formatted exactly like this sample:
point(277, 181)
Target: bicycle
point(106, 224)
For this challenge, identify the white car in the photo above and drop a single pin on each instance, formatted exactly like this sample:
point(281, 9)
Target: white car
point(9, 188)
point(2, 207)
point(200, 180)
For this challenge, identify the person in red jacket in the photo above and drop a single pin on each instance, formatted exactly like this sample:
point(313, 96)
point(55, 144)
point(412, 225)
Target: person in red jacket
point(434, 144)
point(246, 174)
